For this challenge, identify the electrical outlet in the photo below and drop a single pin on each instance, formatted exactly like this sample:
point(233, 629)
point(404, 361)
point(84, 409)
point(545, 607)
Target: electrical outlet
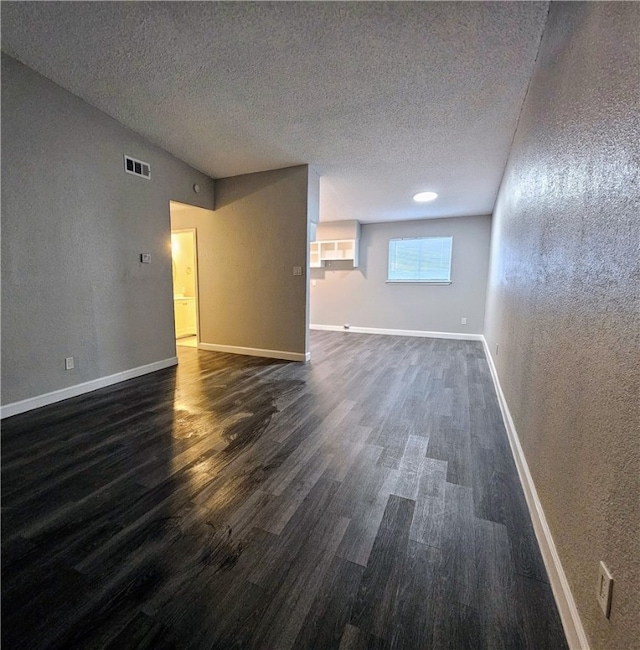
point(605, 589)
point(145, 258)
point(313, 283)
point(297, 270)
point(69, 363)
point(463, 321)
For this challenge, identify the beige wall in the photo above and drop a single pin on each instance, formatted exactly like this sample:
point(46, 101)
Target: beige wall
point(247, 249)
point(73, 227)
point(563, 301)
point(362, 297)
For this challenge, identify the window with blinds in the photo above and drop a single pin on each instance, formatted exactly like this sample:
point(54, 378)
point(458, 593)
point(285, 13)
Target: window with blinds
point(421, 259)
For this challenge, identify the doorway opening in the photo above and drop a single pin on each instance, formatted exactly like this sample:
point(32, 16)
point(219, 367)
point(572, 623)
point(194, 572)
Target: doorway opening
point(184, 263)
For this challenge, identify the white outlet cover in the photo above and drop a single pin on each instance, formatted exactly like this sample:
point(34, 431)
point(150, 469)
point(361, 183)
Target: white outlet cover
point(69, 363)
point(605, 589)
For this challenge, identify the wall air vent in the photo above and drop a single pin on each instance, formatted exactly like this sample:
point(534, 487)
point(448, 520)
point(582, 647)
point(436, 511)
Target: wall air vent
point(137, 167)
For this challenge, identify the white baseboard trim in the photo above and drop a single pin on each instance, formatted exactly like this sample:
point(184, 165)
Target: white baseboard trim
point(574, 631)
point(375, 330)
point(255, 352)
point(79, 389)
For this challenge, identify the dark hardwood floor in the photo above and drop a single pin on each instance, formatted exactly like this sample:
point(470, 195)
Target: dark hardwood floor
point(367, 499)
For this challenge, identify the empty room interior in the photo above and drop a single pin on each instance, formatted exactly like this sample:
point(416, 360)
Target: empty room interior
point(320, 325)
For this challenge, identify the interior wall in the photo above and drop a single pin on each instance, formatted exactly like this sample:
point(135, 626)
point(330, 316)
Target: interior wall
point(362, 297)
point(73, 227)
point(247, 249)
point(563, 303)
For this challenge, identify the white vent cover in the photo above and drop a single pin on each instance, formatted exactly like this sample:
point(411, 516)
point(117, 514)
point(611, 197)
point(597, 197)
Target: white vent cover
point(137, 167)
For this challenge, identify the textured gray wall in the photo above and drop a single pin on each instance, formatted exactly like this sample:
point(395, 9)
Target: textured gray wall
point(361, 297)
point(73, 226)
point(247, 249)
point(563, 300)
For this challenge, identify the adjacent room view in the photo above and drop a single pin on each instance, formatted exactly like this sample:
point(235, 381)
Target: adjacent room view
point(184, 269)
point(320, 325)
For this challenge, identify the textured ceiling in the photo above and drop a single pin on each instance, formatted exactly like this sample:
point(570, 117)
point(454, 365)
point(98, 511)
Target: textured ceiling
point(382, 99)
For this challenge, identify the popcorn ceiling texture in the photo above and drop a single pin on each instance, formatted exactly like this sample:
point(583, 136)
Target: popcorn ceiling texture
point(383, 99)
point(563, 301)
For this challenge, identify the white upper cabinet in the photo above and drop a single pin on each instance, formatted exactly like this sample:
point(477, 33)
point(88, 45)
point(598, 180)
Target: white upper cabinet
point(335, 240)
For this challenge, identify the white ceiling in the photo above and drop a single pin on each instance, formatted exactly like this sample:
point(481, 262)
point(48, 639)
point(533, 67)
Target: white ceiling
point(382, 99)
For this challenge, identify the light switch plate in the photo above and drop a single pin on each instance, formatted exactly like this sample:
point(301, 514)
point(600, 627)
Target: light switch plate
point(69, 363)
point(605, 589)
point(145, 258)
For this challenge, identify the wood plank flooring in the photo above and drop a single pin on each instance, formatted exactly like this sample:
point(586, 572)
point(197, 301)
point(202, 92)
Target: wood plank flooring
point(367, 499)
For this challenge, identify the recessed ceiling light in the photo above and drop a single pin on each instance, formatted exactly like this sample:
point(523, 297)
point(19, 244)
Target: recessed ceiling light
point(423, 197)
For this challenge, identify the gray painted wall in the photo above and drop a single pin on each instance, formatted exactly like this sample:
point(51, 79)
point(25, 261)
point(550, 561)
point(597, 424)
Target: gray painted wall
point(247, 249)
point(73, 226)
point(362, 298)
point(563, 300)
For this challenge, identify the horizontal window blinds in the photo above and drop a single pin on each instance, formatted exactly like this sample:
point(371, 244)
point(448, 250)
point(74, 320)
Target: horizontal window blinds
point(424, 259)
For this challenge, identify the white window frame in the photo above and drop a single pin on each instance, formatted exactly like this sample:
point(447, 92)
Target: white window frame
point(417, 281)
